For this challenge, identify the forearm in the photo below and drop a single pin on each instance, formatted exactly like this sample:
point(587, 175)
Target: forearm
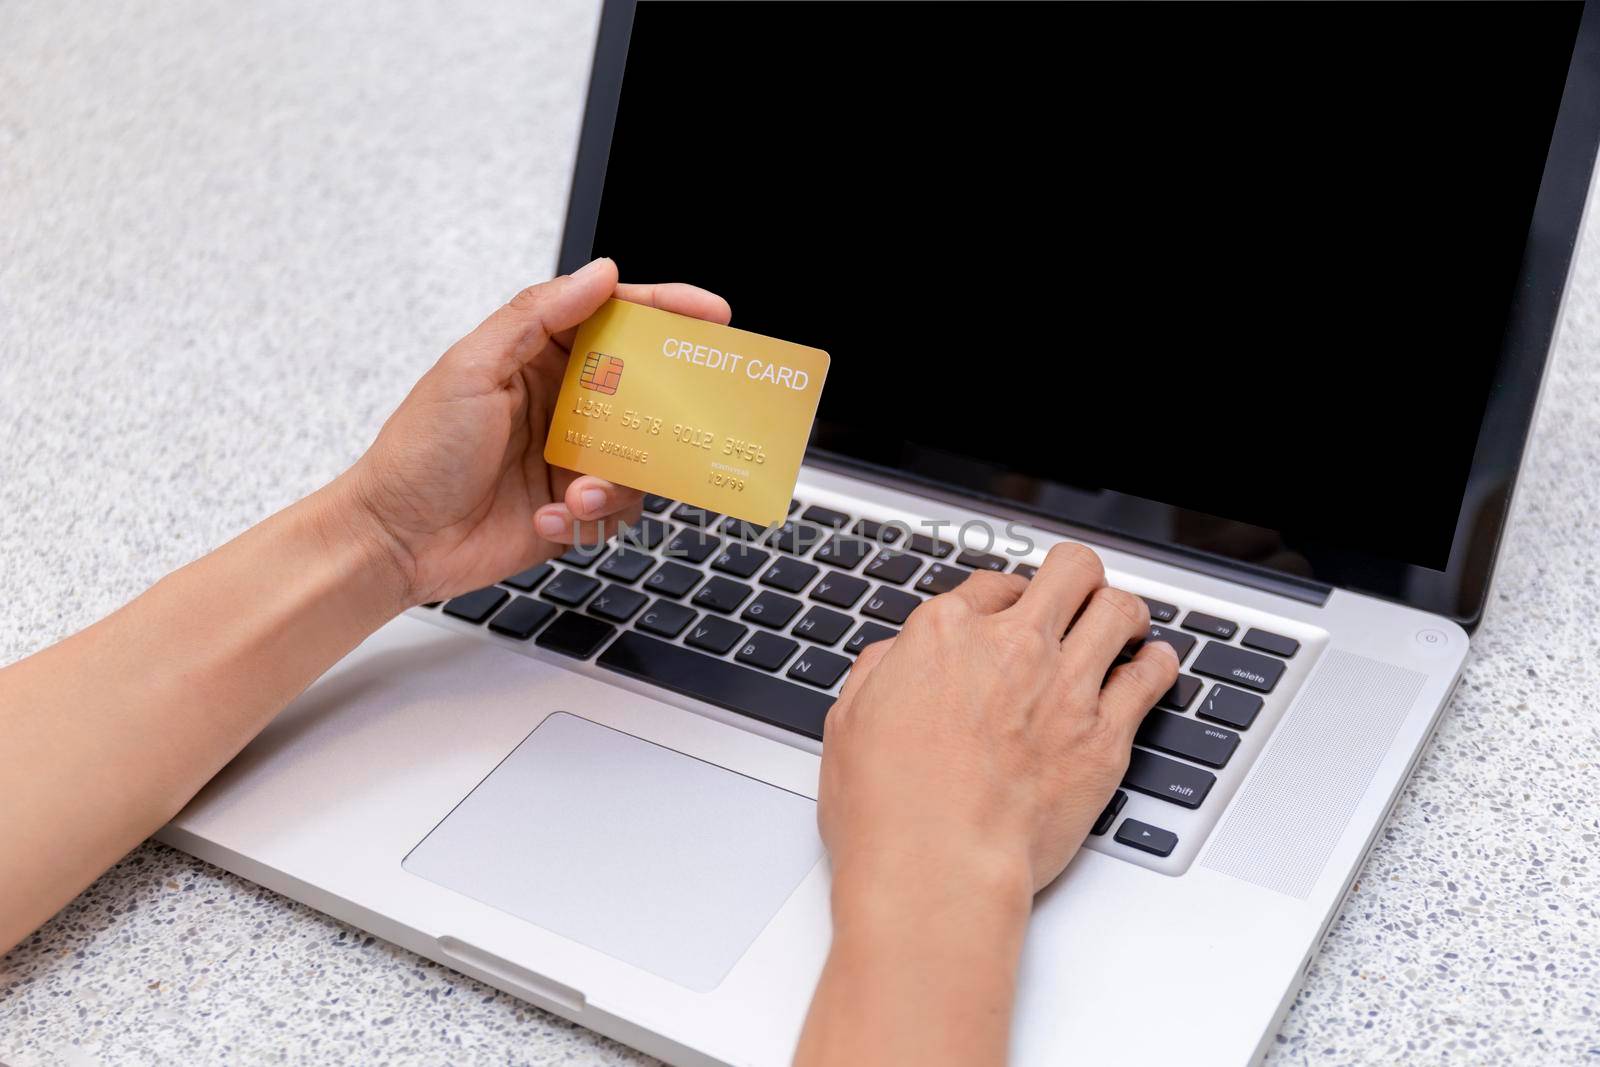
point(923, 976)
point(110, 732)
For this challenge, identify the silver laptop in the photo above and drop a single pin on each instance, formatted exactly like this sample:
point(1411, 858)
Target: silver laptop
point(1255, 300)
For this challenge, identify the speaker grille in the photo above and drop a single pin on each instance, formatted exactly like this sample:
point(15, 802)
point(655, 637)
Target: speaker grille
point(1298, 799)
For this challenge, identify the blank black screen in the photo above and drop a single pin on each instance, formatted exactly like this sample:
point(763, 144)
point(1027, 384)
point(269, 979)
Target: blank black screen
point(1248, 261)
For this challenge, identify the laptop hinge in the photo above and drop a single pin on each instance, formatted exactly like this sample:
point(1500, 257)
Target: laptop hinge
point(1295, 588)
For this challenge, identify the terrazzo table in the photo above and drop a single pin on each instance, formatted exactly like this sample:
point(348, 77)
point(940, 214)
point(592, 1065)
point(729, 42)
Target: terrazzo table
point(231, 236)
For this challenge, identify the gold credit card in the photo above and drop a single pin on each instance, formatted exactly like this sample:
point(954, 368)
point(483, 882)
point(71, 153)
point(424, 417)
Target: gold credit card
point(687, 409)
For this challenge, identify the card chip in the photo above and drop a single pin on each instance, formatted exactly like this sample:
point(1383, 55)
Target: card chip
point(601, 373)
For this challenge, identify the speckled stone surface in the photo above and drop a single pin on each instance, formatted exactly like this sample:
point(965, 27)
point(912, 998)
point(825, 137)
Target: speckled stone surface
point(231, 236)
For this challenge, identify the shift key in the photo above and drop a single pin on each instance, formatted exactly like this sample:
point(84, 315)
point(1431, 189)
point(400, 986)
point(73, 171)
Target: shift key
point(1168, 779)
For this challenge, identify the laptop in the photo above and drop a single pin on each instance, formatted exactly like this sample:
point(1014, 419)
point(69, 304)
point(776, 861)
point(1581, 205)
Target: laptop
point(1255, 300)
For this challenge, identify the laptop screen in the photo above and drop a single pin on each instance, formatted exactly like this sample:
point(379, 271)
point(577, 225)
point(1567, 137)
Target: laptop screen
point(1234, 277)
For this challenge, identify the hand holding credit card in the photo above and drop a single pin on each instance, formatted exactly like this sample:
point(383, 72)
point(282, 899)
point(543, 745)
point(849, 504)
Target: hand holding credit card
point(683, 408)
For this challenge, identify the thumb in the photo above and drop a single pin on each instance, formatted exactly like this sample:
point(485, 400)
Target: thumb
point(519, 331)
point(1133, 688)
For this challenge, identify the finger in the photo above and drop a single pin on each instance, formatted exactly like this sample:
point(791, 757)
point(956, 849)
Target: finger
point(867, 661)
point(555, 522)
point(1133, 688)
point(519, 331)
point(987, 592)
point(1069, 574)
point(1111, 619)
point(595, 498)
point(676, 297)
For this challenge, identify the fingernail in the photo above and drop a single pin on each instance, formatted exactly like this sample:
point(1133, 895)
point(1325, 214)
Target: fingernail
point(589, 269)
point(550, 524)
point(593, 500)
point(1168, 646)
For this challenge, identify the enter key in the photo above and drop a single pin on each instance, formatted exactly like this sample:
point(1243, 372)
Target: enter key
point(1188, 738)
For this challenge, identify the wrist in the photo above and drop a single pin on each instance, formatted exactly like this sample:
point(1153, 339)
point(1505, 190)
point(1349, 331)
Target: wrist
point(347, 523)
point(924, 959)
point(979, 887)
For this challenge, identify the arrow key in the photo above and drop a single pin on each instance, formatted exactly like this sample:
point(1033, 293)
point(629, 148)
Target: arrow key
point(1146, 838)
point(1109, 815)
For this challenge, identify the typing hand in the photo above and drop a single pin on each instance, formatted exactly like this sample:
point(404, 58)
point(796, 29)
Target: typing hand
point(962, 767)
point(456, 488)
point(981, 741)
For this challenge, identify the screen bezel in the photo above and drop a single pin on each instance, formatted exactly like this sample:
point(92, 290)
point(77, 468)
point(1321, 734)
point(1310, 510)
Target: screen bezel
point(1460, 591)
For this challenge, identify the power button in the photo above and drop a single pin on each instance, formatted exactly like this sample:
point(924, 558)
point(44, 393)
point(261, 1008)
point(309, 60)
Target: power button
point(1432, 638)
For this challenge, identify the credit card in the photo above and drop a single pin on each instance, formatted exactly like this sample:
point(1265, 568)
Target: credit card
point(687, 409)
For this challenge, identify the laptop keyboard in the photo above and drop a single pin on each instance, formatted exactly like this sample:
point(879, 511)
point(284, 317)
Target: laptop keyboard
point(766, 624)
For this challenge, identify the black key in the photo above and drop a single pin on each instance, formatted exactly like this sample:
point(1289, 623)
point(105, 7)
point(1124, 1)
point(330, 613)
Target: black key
point(741, 530)
point(1234, 707)
point(721, 594)
point(740, 559)
point(618, 603)
point(1168, 779)
point(529, 578)
point(521, 617)
point(478, 604)
point(1181, 643)
point(1193, 740)
point(797, 537)
point(672, 579)
point(625, 565)
point(1277, 644)
point(716, 635)
point(1210, 625)
point(767, 651)
point(1109, 814)
point(824, 516)
point(432, 604)
point(884, 533)
point(772, 609)
point(792, 505)
point(891, 566)
point(941, 578)
point(818, 668)
point(929, 546)
point(1160, 610)
point(666, 618)
point(840, 590)
point(719, 682)
point(1238, 666)
point(1027, 570)
point(823, 626)
point(583, 555)
point(1146, 838)
point(890, 605)
point(693, 516)
point(575, 635)
point(790, 575)
point(655, 505)
point(981, 561)
point(869, 633)
point(647, 533)
point(570, 588)
point(843, 552)
point(692, 546)
point(1182, 693)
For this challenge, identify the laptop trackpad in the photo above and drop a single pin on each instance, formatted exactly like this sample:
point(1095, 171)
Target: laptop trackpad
point(653, 857)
